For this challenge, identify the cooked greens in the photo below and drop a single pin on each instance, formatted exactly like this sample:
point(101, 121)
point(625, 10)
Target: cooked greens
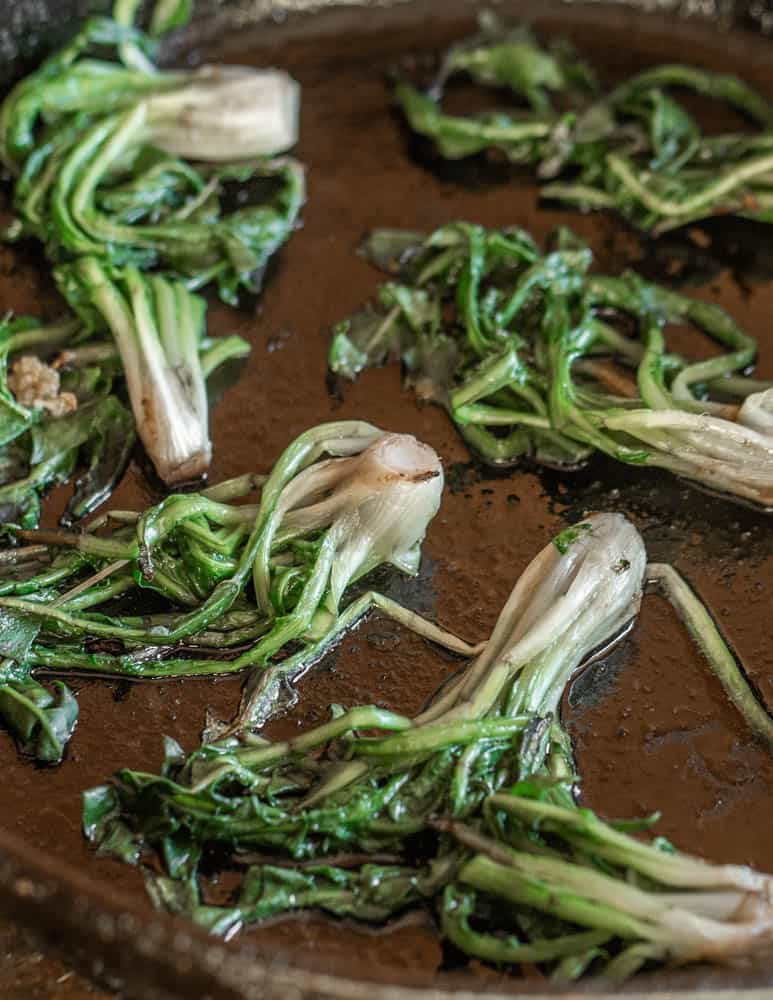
point(469, 808)
point(634, 149)
point(101, 143)
point(158, 326)
point(40, 723)
point(57, 419)
point(121, 168)
point(145, 185)
point(61, 408)
point(243, 583)
point(533, 354)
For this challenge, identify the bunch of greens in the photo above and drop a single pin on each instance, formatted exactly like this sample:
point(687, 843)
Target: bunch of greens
point(531, 354)
point(242, 582)
point(120, 168)
point(469, 808)
point(102, 146)
point(635, 149)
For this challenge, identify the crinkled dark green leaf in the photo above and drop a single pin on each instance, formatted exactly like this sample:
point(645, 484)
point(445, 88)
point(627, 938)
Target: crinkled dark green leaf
point(20, 499)
point(105, 828)
point(41, 723)
point(106, 451)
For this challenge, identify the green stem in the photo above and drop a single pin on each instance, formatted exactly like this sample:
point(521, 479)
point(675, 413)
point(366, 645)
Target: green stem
point(696, 617)
point(455, 912)
point(705, 199)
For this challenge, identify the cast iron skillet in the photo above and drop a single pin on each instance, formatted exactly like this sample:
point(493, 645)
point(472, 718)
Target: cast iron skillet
point(652, 729)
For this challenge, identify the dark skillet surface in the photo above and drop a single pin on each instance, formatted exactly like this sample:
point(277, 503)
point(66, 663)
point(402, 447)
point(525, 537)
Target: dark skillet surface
point(652, 728)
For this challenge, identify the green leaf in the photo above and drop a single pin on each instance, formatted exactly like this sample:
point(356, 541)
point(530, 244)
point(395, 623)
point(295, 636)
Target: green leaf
point(181, 854)
point(458, 137)
point(518, 63)
point(14, 418)
point(367, 339)
point(419, 308)
point(20, 500)
point(344, 357)
point(120, 842)
point(54, 436)
point(535, 788)
point(99, 805)
point(14, 461)
point(168, 15)
point(62, 717)
point(105, 828)
point(181, 897)
point(107, 450)
point(41, 724)
point(17, 632)
point(390, 249)
point(431, 367)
